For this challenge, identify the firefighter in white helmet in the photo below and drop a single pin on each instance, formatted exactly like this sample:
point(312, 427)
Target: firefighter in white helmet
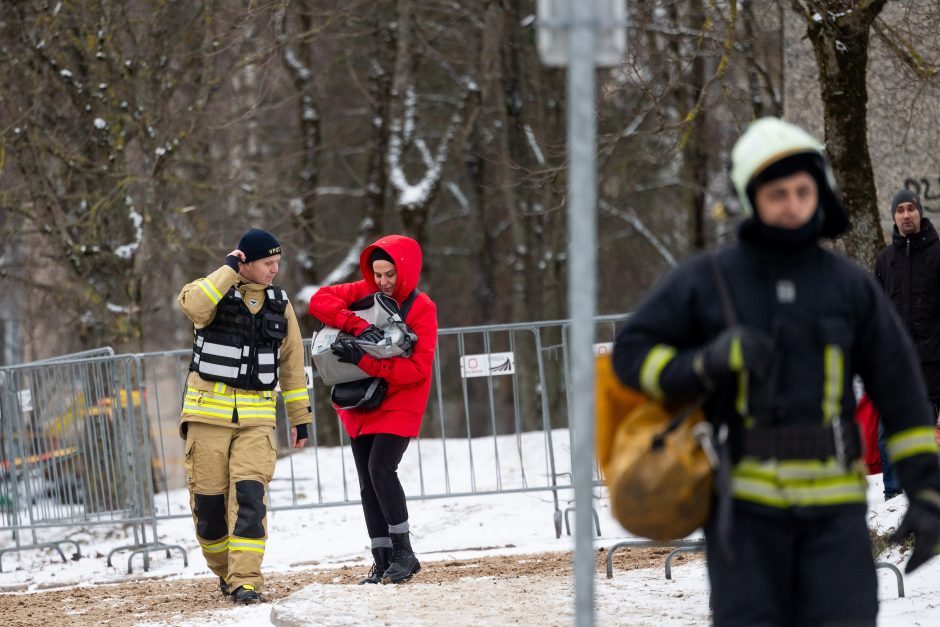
point(788, 543)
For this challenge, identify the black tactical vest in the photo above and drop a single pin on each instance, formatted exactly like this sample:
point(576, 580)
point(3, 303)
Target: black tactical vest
point(239, 348)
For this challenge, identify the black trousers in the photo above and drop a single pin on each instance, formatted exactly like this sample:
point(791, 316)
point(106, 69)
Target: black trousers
point(383, 499)
point(790, 568)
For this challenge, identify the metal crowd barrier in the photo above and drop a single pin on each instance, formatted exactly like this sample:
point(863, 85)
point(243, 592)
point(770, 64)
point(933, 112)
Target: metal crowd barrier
point(94, 439)
point(75, 451)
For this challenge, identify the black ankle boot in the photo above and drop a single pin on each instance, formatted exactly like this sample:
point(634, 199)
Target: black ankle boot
point(404, 563)
point(383, 557)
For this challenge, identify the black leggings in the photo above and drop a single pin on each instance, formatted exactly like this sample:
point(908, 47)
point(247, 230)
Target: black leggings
point(383, 500)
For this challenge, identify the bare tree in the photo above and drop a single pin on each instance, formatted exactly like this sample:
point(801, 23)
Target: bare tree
point(840, 31)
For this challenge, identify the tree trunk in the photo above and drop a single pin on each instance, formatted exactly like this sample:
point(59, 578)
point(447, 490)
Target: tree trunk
point(840, 41)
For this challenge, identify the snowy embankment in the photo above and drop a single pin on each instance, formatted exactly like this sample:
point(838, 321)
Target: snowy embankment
point(444, 529)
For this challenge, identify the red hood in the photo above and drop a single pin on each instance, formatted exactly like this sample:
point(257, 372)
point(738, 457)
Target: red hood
point(407, 255)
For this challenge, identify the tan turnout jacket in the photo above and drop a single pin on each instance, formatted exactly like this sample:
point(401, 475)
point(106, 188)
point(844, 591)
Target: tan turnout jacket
point(214, 403)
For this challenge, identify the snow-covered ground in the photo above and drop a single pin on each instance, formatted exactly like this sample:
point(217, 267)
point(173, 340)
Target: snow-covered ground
point(443, 529)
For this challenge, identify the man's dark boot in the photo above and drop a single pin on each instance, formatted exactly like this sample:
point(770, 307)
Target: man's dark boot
point(383, 558)
point(246, 594)
point(404, 563)
point(224, 586)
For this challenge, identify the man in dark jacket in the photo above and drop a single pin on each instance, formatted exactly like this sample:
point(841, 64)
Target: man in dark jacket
point(909, 272)
point(792, 547)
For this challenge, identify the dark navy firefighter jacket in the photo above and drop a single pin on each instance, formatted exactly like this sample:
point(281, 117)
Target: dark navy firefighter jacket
point(828, 320)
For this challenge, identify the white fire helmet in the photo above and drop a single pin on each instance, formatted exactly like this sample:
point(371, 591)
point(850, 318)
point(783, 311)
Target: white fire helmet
point(769, 140)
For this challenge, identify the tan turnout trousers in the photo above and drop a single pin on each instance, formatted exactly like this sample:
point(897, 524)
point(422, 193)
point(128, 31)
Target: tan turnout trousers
point(228, 471)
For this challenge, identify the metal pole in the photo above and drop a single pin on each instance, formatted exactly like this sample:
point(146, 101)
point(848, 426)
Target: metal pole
point(582, 253)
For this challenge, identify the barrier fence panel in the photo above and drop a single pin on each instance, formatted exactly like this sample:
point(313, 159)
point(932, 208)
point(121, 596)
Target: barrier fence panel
point(95, 440)
point(75, 449)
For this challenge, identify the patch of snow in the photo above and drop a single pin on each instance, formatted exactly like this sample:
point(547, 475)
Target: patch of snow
point(100, 124)
point(127, 250)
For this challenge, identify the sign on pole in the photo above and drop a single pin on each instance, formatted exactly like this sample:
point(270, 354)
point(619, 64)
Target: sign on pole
point(610, 31)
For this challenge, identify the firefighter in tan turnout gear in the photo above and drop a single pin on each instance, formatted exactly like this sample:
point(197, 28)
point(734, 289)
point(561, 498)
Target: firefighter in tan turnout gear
point(246, 341)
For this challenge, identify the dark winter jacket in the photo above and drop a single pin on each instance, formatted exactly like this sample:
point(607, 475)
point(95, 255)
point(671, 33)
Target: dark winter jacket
point(909, 272)
point(828, 320)
point(409, 378)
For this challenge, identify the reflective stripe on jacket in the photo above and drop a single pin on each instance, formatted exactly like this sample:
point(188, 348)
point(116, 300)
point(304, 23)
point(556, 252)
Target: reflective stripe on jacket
point(216, 403)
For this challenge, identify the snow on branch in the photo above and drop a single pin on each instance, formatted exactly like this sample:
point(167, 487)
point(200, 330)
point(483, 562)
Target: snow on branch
point(417, 194)
point(630, 217)
point(347, 266)
point(127, 250)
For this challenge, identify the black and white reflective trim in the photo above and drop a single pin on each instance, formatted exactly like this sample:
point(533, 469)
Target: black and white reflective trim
point(275, 293)
point(267, 365)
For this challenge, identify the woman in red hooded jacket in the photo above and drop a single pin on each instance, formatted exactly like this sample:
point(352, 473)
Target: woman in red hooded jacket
point(379, 437)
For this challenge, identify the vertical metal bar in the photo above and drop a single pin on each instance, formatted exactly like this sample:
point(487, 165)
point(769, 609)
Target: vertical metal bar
point(11, 425)
point(440, 412)
point(145, 456)
point(315, 438)
point(517, 411)
point(582, 264)
point(546, 419)
point(26, 448)
point(489, 390)
point(342, 456)
point(158, 416)
point(466, 413)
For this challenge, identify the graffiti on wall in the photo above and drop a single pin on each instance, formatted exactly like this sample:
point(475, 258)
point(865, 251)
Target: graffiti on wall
point(928, 190)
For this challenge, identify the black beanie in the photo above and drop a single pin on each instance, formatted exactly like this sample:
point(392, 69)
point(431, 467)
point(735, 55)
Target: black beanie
point(258, 244)
point(379, 254)
point(906, 195)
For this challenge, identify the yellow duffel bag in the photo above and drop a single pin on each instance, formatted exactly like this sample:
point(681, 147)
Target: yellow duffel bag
point(658, 461)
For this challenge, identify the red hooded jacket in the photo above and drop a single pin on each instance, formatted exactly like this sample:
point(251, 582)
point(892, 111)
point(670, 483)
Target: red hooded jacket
point(409, 378)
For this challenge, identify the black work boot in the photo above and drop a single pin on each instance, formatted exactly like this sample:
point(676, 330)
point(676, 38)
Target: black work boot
point(224, 586)
point(246, 594)
point(404, 563)
point(383, 558)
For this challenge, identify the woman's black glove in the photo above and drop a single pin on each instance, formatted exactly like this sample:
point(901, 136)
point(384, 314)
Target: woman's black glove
point(922, 521)
point(348, 351)
point(372, 334)
point(736, 349)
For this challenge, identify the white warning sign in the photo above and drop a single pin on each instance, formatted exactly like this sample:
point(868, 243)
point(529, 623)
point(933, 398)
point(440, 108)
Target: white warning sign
point(487, 364)
point(26, 400)
point(603, 348)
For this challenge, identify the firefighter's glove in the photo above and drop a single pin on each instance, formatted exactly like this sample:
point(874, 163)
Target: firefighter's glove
point(922, 522)
point(348, 351)
point(737, 349)
point(372, 334)
point(232, 262)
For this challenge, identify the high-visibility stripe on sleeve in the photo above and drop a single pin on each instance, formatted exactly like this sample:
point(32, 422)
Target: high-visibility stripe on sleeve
point(740, 398)
point(736, 356)
point(911, 442)
point(210, 290)
point(291, 396)
point(652, 368)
